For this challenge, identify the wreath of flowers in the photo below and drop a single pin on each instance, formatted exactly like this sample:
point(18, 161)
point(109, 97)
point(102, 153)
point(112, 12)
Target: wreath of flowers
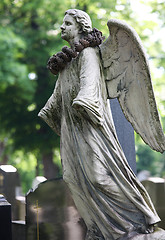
point(58, 61)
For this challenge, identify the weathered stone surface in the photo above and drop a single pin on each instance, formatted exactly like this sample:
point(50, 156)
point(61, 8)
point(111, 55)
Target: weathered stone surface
point(56, 216)
point(159, 234)
point(156, 188)
point(128, 78)
point(105, 190)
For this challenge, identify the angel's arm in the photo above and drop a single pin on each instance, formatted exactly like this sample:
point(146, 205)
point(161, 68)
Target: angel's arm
point(88, 99)
point(51, 112)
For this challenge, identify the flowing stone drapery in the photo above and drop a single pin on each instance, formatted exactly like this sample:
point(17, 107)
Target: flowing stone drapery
point(108, 195)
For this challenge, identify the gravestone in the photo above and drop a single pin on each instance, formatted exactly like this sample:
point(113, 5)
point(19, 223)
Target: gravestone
point(37, 180)
point(155, 186)
point(125, 133)
point(18, 230)
point(9, 183)
point(20, 206)
point(51, 213)
point(5, 219)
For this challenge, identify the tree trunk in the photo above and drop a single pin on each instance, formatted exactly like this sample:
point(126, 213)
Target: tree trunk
point(3, 155)
point(51, 170)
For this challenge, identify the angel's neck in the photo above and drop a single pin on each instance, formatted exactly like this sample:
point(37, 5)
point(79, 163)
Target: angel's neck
point(73, 41)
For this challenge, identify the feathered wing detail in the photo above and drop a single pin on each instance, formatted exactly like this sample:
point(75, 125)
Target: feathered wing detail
point(128, 78)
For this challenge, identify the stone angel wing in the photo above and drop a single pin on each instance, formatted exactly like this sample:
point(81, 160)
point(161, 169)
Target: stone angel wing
point(128, 78)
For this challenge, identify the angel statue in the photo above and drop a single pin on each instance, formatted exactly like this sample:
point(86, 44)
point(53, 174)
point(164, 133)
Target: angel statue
point(108, 195)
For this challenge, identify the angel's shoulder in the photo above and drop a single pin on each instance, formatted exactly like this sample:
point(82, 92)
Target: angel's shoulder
point(89, 54)
point(89, 51)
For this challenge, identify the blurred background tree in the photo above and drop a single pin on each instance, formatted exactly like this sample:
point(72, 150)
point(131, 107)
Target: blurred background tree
point(29, 35)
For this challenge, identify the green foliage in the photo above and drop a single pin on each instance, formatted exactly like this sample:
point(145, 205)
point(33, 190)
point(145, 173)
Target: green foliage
point(13, 71)
point(27, 164)
point(146, 159)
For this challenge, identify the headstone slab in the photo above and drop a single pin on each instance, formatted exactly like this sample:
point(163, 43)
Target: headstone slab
point(51, 213)
point(155, 186)
point(9, 183)
point(125, 133)
point(5, 219)
point(18, 230)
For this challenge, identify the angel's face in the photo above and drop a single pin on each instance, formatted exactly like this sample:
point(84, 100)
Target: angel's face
point(69, 28)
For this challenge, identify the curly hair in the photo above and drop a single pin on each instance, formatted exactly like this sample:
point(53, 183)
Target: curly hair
point(82, 18)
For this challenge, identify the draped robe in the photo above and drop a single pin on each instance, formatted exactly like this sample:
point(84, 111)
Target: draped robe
point(109, 197)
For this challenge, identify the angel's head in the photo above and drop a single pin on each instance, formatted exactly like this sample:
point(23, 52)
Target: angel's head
point(77, 31)
point(76, 24)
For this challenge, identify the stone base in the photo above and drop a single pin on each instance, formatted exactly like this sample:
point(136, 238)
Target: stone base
point(159, 234)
